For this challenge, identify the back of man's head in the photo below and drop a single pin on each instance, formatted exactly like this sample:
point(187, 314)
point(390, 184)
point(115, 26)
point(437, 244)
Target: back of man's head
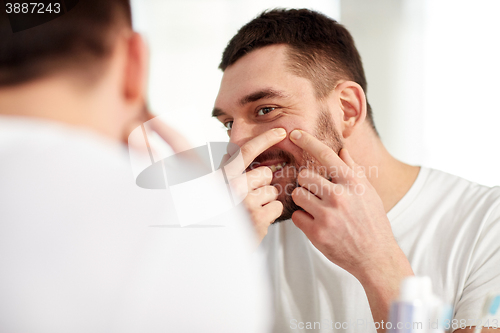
point(85, 68)
point(78, 40)
point(320, 49)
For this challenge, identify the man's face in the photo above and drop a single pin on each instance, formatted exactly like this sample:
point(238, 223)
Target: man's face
point(258, 93)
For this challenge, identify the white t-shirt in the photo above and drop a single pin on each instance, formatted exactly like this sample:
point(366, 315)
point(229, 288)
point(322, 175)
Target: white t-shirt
point(83, 249)
point(448, 228)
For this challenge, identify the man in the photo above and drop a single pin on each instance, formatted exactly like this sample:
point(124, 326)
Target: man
point(82, 248)
point(361, 220)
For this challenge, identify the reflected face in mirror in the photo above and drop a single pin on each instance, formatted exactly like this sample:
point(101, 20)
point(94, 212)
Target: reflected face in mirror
point(257, 93)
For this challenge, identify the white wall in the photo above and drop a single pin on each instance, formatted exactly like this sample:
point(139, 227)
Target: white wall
point(433, 74)
point(462, 85)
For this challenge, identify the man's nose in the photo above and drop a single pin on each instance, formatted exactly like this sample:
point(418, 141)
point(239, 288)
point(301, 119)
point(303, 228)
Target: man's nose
point(242, 132)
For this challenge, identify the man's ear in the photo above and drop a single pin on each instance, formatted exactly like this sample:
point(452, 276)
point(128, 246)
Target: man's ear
point(136, 71)
point(135, 84)
point(352, 101)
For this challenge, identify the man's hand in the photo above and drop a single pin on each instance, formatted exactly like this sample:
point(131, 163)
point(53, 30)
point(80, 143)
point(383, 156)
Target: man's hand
point(255, 185)
point(345, 219)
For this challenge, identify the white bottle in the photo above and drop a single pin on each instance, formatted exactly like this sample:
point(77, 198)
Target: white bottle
point(417, 309)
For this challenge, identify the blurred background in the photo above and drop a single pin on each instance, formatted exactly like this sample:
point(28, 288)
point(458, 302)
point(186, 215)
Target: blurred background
point(432, 67)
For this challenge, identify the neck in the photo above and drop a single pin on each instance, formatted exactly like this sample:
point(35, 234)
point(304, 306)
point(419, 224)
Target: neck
point(390, 177)
point(57, 99)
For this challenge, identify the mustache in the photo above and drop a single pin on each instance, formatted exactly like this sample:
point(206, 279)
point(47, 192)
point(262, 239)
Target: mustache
point(275, 154)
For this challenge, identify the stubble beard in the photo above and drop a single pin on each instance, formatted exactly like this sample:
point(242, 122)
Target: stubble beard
point(325, 132)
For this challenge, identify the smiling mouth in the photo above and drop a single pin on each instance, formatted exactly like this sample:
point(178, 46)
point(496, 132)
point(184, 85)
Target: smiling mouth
point(277, 167)
point(275, 160)
point(273, 165)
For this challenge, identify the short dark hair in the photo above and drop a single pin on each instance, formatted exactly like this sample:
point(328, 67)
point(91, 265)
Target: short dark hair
point(78, 39)
point(320, 49)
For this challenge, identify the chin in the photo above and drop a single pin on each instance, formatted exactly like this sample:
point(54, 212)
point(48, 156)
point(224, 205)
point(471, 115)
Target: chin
point(289, 206)
point(286, 181)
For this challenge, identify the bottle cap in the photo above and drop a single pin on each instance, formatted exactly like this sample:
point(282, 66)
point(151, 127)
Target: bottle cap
point(416, 288)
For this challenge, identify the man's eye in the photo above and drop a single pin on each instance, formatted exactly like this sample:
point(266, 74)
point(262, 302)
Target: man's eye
point(228, 125)
point(264, 111)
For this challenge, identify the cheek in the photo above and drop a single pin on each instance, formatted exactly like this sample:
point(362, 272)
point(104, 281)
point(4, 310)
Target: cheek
point(288, 145)
point(300, 124)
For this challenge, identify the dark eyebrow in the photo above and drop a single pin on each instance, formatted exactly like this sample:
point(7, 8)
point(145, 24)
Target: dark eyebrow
point(216, 112)
point(261, 94)
point(253, 97)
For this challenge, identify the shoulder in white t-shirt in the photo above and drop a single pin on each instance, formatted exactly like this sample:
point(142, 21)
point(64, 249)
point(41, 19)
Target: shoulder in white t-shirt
point(83, 249)
point(448, 228)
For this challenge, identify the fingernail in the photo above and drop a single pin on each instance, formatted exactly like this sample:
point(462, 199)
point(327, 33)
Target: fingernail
point(295, 134)
point(280, 132)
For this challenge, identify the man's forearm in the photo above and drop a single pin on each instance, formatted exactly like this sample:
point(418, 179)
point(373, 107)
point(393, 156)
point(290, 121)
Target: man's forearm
point(382, 282)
